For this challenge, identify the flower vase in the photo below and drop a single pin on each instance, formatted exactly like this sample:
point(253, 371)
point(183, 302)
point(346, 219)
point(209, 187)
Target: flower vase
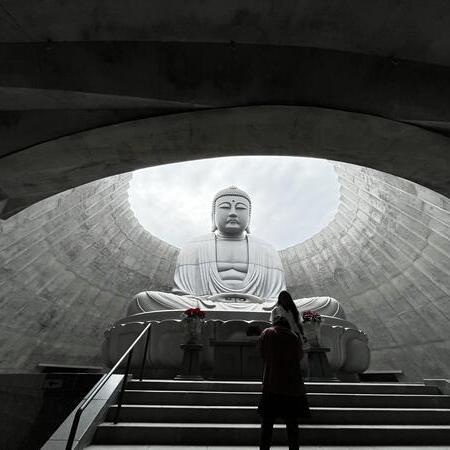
point(193, 329)
point(311, 330)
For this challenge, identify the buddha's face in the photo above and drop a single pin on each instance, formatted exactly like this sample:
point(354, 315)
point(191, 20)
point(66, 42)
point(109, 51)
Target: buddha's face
point(232, 215)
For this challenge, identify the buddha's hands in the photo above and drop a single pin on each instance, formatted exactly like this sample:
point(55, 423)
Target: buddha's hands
point(235, 298)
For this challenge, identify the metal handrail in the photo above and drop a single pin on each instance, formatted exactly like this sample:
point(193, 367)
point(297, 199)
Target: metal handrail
point(94, 391)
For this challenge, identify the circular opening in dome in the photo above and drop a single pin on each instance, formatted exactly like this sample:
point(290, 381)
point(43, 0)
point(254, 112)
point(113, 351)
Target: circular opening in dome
point(292, 198)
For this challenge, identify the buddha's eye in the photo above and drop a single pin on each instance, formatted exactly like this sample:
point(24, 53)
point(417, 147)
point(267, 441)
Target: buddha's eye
point(241, 206)
point(225, 205)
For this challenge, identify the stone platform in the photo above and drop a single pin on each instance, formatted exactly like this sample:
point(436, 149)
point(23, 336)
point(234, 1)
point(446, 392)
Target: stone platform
point(349, 354)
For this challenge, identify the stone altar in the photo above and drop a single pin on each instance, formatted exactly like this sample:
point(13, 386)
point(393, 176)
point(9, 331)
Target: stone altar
point(236, 278)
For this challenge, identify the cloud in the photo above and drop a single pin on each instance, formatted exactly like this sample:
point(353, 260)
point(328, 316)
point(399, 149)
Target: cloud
point(292, 198)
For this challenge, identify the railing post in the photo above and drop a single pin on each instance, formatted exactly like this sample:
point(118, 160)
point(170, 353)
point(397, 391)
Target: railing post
point(73, 430)
point(124, 382)
point(141, 375)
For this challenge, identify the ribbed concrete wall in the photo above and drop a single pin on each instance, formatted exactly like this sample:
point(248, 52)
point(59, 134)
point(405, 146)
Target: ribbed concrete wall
point(68, 267)
point(386, 257)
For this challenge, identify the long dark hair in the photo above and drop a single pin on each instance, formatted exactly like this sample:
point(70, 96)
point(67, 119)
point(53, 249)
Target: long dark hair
point(285, 300)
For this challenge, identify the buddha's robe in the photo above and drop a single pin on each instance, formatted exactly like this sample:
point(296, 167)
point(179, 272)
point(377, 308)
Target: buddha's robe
point(198, 284)
point(197, 280)
point(197, 272)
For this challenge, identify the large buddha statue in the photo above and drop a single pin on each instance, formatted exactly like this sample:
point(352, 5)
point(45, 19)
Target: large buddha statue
point(236, 278)
point(229, 268)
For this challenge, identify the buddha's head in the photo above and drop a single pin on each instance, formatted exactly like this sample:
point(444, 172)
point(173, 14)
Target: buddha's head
point(231, 210)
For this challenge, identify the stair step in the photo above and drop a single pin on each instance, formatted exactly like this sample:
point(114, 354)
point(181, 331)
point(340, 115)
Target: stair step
point(239, 386)
point(248, 434)
point(213, 398)
point(248, 414)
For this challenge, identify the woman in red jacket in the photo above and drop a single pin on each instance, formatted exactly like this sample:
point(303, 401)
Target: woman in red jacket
point(283, 393)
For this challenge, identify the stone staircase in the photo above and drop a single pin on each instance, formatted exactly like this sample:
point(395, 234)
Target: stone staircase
point(167, 412)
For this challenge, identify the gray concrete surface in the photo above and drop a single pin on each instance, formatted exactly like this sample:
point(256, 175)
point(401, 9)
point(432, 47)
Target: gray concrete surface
point(385, 256)
point(70, 265)
point(371, 83)
point(360, 139)
point(69, 70)
point(99, 89)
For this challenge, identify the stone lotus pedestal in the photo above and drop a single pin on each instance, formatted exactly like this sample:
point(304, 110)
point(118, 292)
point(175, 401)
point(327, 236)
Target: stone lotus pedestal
point(349, 352)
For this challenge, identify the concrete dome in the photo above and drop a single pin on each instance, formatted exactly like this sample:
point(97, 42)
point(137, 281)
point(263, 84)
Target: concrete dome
point(97, 89)
point(71, 264)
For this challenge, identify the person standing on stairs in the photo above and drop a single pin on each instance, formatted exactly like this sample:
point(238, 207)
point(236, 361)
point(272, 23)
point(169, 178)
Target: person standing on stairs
point(285, 307)
point(283, 390)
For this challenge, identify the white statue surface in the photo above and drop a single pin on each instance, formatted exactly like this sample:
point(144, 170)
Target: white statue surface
point(236, 278)
point(228, 269)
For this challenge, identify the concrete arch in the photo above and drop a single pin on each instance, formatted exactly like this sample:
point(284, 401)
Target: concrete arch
point(389, 146)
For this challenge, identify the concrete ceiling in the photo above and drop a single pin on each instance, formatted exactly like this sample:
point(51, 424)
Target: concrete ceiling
point(85, 71)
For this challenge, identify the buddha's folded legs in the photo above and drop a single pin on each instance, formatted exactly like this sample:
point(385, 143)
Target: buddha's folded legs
point(148, 301)
point(327, 306)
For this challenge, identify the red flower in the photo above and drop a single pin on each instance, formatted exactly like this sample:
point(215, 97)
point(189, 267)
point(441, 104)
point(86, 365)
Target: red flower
point(312, 316)
point(194, 312)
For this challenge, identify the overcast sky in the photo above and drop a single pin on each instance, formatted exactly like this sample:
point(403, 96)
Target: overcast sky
point(292, 198)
